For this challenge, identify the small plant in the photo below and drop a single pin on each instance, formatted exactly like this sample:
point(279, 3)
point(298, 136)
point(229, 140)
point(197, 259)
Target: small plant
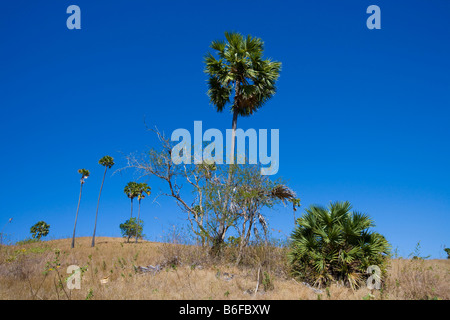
point(26, 241)
point(58, 282)
point(39, 230)
point(447, 250)
point(90, 294)
point(416, 255)
point(132, 228)
point(369, 296)
point(267, 282)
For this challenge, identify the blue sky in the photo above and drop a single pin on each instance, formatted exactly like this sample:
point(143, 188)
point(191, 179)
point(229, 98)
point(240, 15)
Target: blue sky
point(363, 114)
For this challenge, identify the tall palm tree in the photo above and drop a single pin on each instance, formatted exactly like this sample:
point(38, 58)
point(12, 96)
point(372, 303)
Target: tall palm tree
point(107, 162)
point(240, 75)
point(84, 175)
point(143, 189)
point(240, 78)
point(131, 190)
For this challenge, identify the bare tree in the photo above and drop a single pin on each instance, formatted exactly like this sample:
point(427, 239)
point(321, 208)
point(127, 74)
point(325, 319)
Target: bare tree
point(224, 197)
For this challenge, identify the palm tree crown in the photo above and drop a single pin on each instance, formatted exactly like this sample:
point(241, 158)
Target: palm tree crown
point(240, 69)
point(84, 174)
point(143, 189)
point(131, 190)
point(106, 161)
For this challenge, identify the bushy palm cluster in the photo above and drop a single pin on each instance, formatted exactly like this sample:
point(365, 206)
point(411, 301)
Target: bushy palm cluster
point(334, 244)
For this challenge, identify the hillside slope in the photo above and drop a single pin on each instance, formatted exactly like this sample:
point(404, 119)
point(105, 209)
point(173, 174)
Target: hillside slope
point(111, 270)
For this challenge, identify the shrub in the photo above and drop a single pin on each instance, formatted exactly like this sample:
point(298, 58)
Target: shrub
point(335, 244)
point(447, 250)
point(26, 241)
point(39, 230)
point(131, 228)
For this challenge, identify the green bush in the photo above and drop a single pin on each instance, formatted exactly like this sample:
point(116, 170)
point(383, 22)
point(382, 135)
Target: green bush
point(334, 244)
point(447, 250)
point(131, 228)
point(39, 230)
point(26, 241)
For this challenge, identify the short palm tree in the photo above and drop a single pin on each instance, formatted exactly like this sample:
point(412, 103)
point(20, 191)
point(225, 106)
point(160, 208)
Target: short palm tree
point(143, 189)
point(84, 175)
point(131, 190)
point(240, 77)
point(107, 162)
point(334, 244)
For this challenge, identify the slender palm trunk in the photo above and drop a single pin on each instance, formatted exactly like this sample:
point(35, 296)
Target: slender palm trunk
point(218, 241)
point(96, 213)
point(137, 222)
point(233, 141)
point(131, 216)
point(76, 217)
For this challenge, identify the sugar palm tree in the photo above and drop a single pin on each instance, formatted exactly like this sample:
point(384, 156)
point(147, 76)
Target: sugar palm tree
point(131, 190)
point(240, 77)
point(84, 175)
point(143, 189)
point(107, 162)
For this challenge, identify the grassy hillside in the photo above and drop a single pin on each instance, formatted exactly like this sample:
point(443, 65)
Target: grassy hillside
point(34, 271)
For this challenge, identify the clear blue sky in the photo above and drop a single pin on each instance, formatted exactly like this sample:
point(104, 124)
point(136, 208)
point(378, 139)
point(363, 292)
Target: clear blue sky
point(363, 114)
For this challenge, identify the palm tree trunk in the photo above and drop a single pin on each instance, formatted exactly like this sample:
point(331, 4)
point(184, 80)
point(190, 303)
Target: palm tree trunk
point(217, 243)
point(96, 213)
point(131, 216)
point(233, 139)
point(137, 222)
point(244, 240)
point(76, 217)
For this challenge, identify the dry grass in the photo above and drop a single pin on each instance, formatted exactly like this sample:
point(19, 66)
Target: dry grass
point(189, 273)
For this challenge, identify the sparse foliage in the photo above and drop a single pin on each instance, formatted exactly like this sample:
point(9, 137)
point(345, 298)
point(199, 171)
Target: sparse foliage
point(246, 190)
